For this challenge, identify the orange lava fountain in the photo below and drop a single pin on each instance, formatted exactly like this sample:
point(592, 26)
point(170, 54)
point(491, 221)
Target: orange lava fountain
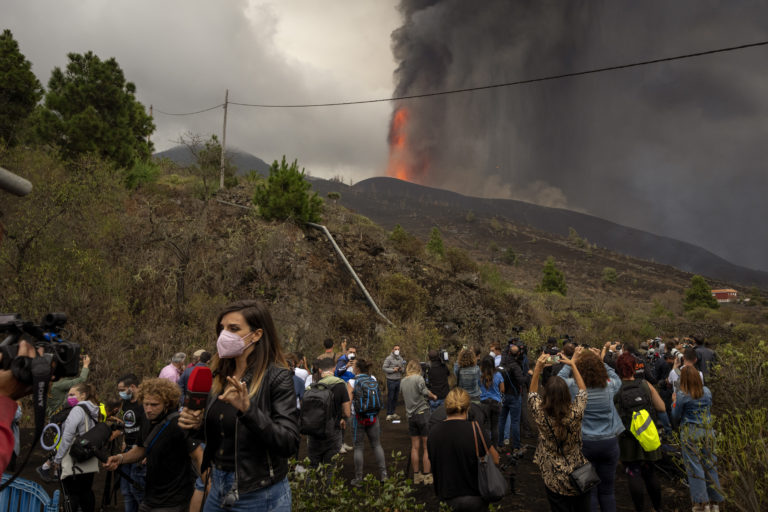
point(399, 153)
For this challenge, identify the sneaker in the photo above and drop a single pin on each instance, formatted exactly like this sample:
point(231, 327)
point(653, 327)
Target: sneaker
point(506, 442)
point(714, 507)
point(45, 474)
point(345, 446)
point(390, 416)
point(418, 479)
point(428, 479)
point(395, 416)
point(343, 449)
point(383, 475)
point(356, 482)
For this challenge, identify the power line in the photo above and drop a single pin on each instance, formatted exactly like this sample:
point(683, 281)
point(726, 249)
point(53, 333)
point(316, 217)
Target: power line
point(510, 84)
point(188, 113)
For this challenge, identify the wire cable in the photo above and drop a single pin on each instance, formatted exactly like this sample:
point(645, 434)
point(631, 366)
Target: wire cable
point(186, 113)
point(510, 84)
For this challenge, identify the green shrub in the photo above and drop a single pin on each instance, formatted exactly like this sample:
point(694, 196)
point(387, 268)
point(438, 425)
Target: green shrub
point(402, 296)
point(742, 451)
point(414, 337)
point(324, 488)
point(459, 261)
point(286, 195)
point(609, 275)
point(435, 245)
point(492, 278)
point(699, 295)
point(740, 377)
point(142, 171)
point(509, 257)
point(576, 240)
point(405, 242)
point(553, 279)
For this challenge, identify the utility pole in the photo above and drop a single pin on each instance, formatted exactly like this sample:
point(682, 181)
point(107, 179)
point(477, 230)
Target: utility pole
point(150, 115)
point(224, 140)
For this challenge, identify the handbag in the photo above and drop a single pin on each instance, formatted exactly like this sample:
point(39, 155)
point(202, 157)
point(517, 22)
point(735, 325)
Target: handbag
point(490, 481)
point(583, 478)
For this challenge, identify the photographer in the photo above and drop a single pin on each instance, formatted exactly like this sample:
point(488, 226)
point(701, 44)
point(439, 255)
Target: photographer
point(436, 377)
point(10, 391)
point(511, 407)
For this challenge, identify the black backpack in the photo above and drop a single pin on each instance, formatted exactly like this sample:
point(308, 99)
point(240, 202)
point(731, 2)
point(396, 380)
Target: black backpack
point(92, 441)
point(366, 396)
point(633, 396)
point(316, 416)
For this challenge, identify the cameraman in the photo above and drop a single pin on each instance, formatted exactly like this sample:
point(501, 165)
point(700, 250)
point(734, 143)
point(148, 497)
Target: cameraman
point(10, 391)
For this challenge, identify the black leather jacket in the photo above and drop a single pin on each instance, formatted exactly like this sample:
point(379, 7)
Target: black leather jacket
point(267, 434)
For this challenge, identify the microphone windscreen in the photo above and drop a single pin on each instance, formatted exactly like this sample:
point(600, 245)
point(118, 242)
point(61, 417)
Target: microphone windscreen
point(200, 380)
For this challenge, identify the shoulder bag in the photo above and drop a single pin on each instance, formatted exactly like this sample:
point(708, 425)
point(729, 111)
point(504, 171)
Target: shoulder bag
point(584, 477)
point(490, 481)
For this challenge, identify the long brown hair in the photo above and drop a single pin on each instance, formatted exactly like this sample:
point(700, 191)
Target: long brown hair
point(89, 390)
point(557, 404)
point(487, 369)
point(265, 352)
point(690, 382)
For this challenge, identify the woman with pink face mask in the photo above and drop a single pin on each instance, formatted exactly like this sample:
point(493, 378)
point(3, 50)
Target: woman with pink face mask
point(77, 478)
point(250, 420)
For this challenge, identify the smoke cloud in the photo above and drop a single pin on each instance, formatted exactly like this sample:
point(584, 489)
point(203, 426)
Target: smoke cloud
point(676, 148)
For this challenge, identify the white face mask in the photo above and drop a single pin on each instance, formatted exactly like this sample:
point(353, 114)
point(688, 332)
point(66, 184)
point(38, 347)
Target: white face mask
point(396, 352)
point(492, 354)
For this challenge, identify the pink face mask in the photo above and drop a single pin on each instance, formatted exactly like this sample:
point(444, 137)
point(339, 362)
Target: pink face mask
point(72, 401)
point(230, 344)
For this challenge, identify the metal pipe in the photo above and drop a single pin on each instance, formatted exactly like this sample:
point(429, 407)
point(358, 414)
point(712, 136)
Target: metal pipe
point(14, 184)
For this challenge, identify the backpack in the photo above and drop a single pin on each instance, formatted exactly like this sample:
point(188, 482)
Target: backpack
point(316, 416)
point(634, 406)
point(366, 396)
point(90, 443)
point(50, 436)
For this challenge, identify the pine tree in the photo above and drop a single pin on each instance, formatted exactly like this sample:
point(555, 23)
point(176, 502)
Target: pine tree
point(435, 245)
point(20, 90)
point(90, 107)
point(699, 295)
point(553, 279)
point(286, 195)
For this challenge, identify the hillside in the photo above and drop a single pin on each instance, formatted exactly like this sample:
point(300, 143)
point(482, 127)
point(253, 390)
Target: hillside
point(389, 201)
point(244, 162)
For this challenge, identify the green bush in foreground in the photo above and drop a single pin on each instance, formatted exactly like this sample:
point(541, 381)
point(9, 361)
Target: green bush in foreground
point(553, 279)
point(323, 488)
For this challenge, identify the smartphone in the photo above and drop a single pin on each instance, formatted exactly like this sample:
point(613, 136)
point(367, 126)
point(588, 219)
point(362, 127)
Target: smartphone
point(553, 359)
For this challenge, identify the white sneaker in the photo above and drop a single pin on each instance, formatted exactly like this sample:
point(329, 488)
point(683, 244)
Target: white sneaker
point(390, 417)
point(343, 450)
point(418, 479)
point(345, 446)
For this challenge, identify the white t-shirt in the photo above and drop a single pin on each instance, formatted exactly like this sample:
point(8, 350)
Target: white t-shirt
point(301, 373)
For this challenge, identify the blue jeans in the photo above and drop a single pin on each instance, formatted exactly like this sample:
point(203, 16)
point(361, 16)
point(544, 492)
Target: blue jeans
point(393, 390)
point(700, 463)
point(511, 405)
point(275, 498)
point(604, 456)
point(133, 497)
point(434, 404)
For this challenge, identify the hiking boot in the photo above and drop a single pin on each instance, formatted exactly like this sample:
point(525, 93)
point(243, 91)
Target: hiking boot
point(395, 416)
point(389, 417)
point(46, 475)
point(428, 479)
point(418, 479)
point(714, 507)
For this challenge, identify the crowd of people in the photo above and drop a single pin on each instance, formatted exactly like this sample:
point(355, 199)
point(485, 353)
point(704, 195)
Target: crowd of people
point(589, 409)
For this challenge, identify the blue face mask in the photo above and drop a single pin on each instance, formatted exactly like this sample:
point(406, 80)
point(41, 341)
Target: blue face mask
point(125, 395)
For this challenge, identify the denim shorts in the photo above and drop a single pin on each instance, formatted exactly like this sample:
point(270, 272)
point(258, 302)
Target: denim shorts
point(418, 424)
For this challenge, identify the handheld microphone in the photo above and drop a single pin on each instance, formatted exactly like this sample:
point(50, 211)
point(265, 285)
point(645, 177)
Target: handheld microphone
point(198, 387)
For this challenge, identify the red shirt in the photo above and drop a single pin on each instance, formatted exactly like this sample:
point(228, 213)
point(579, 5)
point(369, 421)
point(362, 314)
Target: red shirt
point(7, 411)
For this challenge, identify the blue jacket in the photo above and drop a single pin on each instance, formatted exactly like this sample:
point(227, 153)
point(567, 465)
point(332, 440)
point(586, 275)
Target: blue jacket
point(695, 411)
point(601, 420)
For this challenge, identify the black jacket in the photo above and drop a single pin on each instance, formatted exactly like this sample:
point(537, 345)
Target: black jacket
point(514, 379)
point(267, 434)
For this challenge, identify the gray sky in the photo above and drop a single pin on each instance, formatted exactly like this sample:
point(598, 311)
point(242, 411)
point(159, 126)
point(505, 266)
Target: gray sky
point(183, 54)
point(677, 149)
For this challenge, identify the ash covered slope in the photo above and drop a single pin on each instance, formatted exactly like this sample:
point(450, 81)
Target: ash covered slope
point(389, 201)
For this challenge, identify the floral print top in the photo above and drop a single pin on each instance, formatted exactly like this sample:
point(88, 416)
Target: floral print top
point(556, 468)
